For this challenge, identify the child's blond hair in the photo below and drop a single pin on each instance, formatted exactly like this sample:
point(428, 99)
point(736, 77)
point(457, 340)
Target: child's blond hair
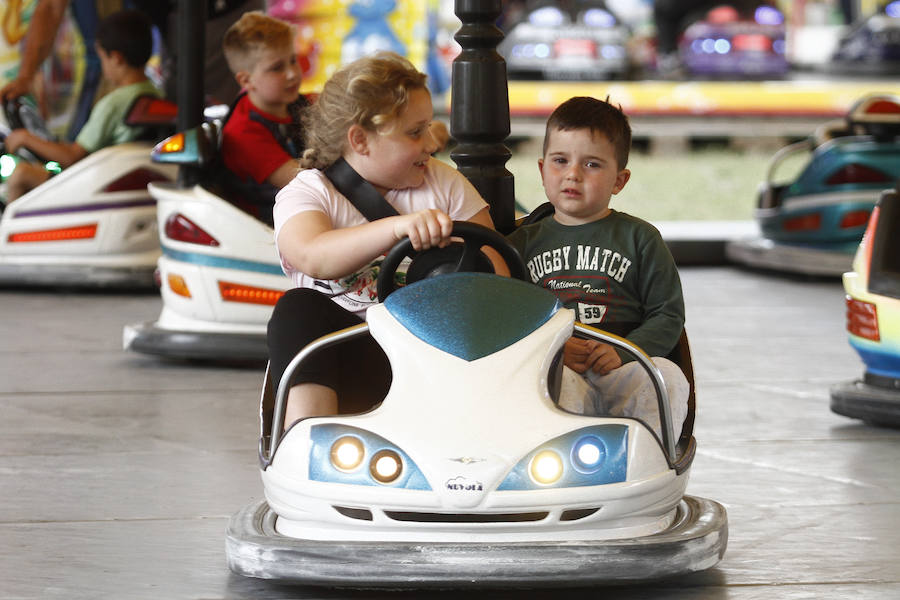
point(371, 92)
point(251, 34)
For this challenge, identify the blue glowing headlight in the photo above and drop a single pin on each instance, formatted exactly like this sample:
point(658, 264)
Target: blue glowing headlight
point(893, 9)
point(547, 16)
point(594, 455)
point(597, 17)
point(588, 454)
point(768, 15)
point(342, 454)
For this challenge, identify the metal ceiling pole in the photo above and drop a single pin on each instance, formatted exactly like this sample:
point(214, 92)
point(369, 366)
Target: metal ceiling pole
point(189, 45)
point(479, 109)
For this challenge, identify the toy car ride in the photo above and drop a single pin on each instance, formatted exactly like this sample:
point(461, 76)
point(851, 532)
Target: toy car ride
point(813, 224)
point(873, 319)
point(469, 474)
point(871, 45)
point(587, 42)
point(219, 272)
point(744, 41)
point(93, 224)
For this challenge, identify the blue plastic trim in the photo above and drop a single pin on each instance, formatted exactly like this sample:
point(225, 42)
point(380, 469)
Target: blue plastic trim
point(320, 468)
point(612, 469)
point(206, 260)
point(471, 315)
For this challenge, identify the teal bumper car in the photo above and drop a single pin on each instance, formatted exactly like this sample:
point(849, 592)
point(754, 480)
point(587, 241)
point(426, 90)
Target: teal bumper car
point(813, 223)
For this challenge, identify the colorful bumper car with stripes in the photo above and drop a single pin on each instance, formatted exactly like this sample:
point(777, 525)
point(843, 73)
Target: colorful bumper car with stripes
point(470, 473)
point(813, 223)
point(873, 320)
point(92, 224)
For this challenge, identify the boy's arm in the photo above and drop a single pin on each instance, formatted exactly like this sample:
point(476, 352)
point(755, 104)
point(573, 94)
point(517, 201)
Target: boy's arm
point(282, 176)
point(663, 302)
point(65, 153)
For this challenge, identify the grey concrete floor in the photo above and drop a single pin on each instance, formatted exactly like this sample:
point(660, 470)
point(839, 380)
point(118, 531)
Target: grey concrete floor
point(118, 472)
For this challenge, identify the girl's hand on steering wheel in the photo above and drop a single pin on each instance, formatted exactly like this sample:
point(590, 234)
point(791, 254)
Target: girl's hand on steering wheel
point(425, 229)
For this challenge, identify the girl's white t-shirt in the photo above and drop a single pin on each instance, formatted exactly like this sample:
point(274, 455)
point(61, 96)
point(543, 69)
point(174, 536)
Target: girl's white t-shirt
point(444, 188)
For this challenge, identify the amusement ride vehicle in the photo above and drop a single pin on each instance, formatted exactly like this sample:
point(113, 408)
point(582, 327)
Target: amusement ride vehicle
point(871, 45)
point(470, 473)
point(873, 319)
point(93, 224)
point(744, 41)
point(219, 273)
point(587, 42)
point(813, 224)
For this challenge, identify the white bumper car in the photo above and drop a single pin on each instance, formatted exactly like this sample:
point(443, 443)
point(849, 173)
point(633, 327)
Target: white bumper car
point(93, 224)
point(219, 270)
point(469, 474)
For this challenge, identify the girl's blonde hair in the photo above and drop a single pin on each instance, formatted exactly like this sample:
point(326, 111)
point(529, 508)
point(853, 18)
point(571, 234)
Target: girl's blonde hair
point(370, 92)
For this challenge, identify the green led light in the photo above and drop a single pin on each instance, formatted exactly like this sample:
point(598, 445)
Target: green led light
point(7, 165)
point(53, 166)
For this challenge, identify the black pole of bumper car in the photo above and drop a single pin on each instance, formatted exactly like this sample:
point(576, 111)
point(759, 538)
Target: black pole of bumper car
point(189, 45)
point(479, 115)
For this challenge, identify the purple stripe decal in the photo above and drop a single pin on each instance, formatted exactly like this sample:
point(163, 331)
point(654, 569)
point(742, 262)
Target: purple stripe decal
point(83, 208)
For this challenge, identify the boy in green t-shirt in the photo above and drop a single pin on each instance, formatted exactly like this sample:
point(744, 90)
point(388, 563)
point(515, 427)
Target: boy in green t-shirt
point(124, 44)
point(611, 268)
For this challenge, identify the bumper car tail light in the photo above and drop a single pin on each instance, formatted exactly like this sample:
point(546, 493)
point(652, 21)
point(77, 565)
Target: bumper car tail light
point(862, 319)
point(180, 228)
point(347, 453)
point(81, 232)
point(385, 466)
point(857, 173)
point(856, 218)
point(546, 467)
point(575, 48)
point(751, 43)
point(178, 285)
point(810, 222)
point(235, 292)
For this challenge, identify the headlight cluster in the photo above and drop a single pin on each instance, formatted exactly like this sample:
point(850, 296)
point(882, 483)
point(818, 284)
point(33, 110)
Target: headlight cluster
point(342, 454)
point(590, 456)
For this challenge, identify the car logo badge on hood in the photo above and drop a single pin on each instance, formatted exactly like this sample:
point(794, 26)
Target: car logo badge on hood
point(461, 484)
point(466, 460)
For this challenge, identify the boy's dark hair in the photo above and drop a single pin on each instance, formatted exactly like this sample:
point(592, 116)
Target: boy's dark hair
point(584, 112)
point(128, 32)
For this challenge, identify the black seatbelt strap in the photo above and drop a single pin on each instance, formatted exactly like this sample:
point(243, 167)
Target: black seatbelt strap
point(358, 191)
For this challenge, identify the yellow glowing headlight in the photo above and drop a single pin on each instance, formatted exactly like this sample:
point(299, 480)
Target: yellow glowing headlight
point(546, 467)
point(347, 453)
point(385, 466)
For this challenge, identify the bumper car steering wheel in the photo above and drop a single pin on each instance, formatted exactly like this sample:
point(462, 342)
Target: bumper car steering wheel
point(459, 256)
point(20, 115)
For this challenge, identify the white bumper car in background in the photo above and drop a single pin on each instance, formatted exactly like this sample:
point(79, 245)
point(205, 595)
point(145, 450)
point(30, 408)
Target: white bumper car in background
point(219, 272)
point(94, 223)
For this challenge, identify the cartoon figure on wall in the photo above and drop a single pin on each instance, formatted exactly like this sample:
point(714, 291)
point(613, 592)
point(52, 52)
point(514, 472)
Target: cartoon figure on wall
point(371, 32)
